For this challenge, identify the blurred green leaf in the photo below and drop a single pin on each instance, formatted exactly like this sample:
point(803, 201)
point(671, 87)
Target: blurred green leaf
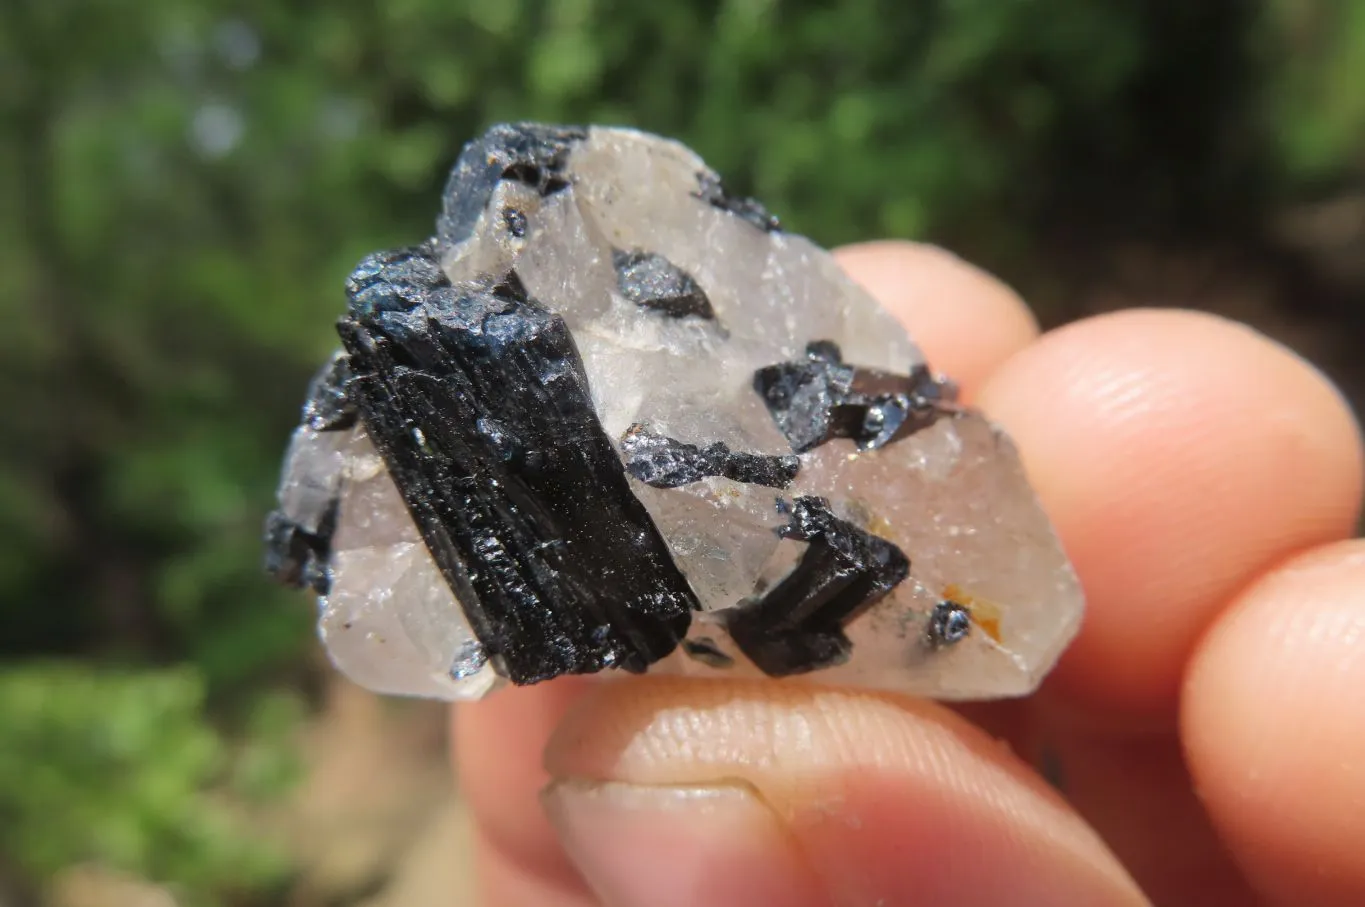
point(121, 768)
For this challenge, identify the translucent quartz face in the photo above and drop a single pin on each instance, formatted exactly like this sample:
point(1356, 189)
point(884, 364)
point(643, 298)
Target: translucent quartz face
point(389, 620)
point(914, 559)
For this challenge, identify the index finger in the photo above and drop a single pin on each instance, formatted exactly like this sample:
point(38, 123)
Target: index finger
point(1179, 455)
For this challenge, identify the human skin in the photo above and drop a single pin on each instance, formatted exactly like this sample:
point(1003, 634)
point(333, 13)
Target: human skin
point(1203, 737)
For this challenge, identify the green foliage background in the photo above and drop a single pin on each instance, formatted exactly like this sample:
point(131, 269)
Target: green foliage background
point(184, 185)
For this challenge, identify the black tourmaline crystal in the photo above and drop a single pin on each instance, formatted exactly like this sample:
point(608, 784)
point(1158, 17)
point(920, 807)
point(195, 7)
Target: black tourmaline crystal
point(820, 398)
point(797, 626)
point(525, 516)
point(666, 463)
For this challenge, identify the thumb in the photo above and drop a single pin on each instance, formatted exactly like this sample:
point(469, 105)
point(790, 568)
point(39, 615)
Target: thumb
point(668, 793)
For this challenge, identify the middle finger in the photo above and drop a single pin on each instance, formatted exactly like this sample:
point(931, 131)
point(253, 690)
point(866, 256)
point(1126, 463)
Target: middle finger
point(1179, 456)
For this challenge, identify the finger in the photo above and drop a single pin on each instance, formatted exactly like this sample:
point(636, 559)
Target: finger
point(1272, 720)
point(497, 746)
point(503, 882)
point(966, 321)
point(1179, 455)
point(785, 793)
point(1136, 793)
point(1159, 443)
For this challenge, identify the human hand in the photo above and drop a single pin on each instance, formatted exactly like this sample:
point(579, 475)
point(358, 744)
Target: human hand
point(1205, 729)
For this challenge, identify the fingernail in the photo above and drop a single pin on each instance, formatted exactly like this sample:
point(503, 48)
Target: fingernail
point(661, 846)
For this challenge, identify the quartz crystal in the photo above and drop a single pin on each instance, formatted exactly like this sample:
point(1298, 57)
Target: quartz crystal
point(611, 417)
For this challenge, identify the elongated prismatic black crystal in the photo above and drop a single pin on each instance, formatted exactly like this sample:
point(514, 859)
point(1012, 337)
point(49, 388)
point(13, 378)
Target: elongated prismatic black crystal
point(797, 625)
point(477, 400)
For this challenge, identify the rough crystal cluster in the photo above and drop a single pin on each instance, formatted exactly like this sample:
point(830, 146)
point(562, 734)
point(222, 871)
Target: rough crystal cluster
point(611, 416)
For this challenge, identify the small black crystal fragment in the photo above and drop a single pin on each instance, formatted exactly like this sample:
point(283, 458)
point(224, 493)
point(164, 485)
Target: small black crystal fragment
point(478, 401)
point(824, 351)
point(821, 398)
point(298, 536)
point(528, 153)
point(948, 623)
point(515, 221)
point(663, 462)
point(299, 555)
point(711, 191)
point(705, 650)
point(797, 625)
point(653, 282)
point(511, 287)
point(327, 407)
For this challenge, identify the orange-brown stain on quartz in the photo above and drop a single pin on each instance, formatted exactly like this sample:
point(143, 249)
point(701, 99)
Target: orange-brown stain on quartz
point(879, 525)
point(985, 614)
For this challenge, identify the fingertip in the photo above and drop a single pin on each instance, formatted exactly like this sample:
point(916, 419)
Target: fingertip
point(966, 321)
point(1178, 454)
point(1271, 721)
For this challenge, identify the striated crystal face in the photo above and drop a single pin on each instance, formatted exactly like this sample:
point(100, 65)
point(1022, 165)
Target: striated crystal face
point(610, 417)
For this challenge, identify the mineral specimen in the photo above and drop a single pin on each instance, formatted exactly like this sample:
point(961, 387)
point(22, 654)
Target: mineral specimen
point(611, 416)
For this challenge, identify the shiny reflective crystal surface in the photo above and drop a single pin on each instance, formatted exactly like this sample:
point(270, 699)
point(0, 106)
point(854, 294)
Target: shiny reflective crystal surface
point(610, 418)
